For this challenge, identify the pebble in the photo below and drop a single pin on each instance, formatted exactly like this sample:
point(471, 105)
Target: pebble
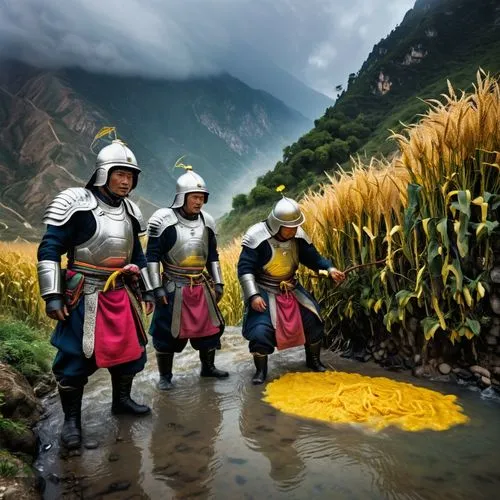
point(113, 457)
point(444, 368)
point(422, 371)
point(119, 486)
point(417, 358)
point(480, 370)
point(462, 373)
point(486, 381)
point(91, 444)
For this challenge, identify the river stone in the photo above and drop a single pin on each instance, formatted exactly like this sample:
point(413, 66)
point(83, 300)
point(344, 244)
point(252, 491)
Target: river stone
point(423, 371)
point(491, 340)
point(480, 370)
point(91, 444)
point(45, 385)
point(444, 368)
point(495, 275)
point(485, 381)
point(495, 328)
point(416, 359)
point(495, 304)
point(462, 373)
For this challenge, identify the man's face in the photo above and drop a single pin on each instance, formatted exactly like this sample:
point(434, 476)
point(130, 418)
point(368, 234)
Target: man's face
point(287, 233)
point(193, 203)
point(120, 182)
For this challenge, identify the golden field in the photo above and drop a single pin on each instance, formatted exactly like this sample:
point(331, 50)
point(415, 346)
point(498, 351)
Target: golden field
point(430, 216)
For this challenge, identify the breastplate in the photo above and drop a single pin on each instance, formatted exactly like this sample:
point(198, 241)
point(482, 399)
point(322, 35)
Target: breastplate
point(191, 246)
point(113, 241)
point(284, 259)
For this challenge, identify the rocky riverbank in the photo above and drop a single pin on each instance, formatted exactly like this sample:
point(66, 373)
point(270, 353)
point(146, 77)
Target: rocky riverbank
point(20, 410)
point(463, 364)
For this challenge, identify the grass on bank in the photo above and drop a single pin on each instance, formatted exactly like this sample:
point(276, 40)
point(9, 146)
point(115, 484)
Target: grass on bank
point(25, 348)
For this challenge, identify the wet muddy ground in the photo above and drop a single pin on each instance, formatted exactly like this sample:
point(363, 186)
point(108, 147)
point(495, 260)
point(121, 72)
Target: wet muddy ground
point(217, 439)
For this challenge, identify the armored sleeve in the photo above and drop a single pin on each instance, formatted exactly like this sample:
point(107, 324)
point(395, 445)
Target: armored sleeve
point(158, 246)
point(213, 264)
point(153, 256)
point(55, 242)
point(250, 262)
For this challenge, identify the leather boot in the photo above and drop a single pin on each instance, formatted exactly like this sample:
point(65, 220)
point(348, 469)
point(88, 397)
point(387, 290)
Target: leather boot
point(260, 361)
point(71, 402)
point(208, 367)
point(122, 402)
point(165, 361)
point(313, 360)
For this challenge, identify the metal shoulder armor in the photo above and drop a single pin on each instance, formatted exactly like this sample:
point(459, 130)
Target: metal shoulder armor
point(303, 235)
point(160, 220)
point(135, 212)
point(255, 235)
point(66, 203)
point(209, 221)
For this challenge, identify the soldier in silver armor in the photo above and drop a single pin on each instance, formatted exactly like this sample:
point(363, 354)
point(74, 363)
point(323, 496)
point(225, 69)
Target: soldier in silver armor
point(185, 272)
point(279, 312)
point(97, 299)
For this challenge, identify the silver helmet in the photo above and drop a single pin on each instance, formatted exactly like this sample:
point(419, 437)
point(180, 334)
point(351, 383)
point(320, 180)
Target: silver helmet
point(285, 212)
point(189, 182)
point(115, 155)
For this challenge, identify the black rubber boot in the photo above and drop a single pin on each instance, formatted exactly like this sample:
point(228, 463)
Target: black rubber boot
point(313, 360)
point(71, 402)
point(122, 402)
point(208, 369)
point(260, 361)
point(165, 361)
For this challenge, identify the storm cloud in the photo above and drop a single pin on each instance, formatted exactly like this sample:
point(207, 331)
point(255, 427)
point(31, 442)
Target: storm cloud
point(318, 41)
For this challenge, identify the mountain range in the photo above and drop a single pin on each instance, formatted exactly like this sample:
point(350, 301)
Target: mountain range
point(436, 42)
point(227, 130)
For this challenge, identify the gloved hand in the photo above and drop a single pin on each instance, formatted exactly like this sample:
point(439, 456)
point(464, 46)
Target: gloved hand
point(160, 296)
point(55, 307)
point(219, 292)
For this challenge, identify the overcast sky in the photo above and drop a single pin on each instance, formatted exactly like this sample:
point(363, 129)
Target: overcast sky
point(318, 41)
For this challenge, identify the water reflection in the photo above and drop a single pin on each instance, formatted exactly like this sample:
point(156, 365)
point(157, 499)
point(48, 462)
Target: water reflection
point(182, 445)
point(218, 439)
point(273, 434)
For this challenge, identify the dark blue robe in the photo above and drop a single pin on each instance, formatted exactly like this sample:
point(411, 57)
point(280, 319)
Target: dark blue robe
point(160, 329)
point(71, 367)
point(257, 327)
